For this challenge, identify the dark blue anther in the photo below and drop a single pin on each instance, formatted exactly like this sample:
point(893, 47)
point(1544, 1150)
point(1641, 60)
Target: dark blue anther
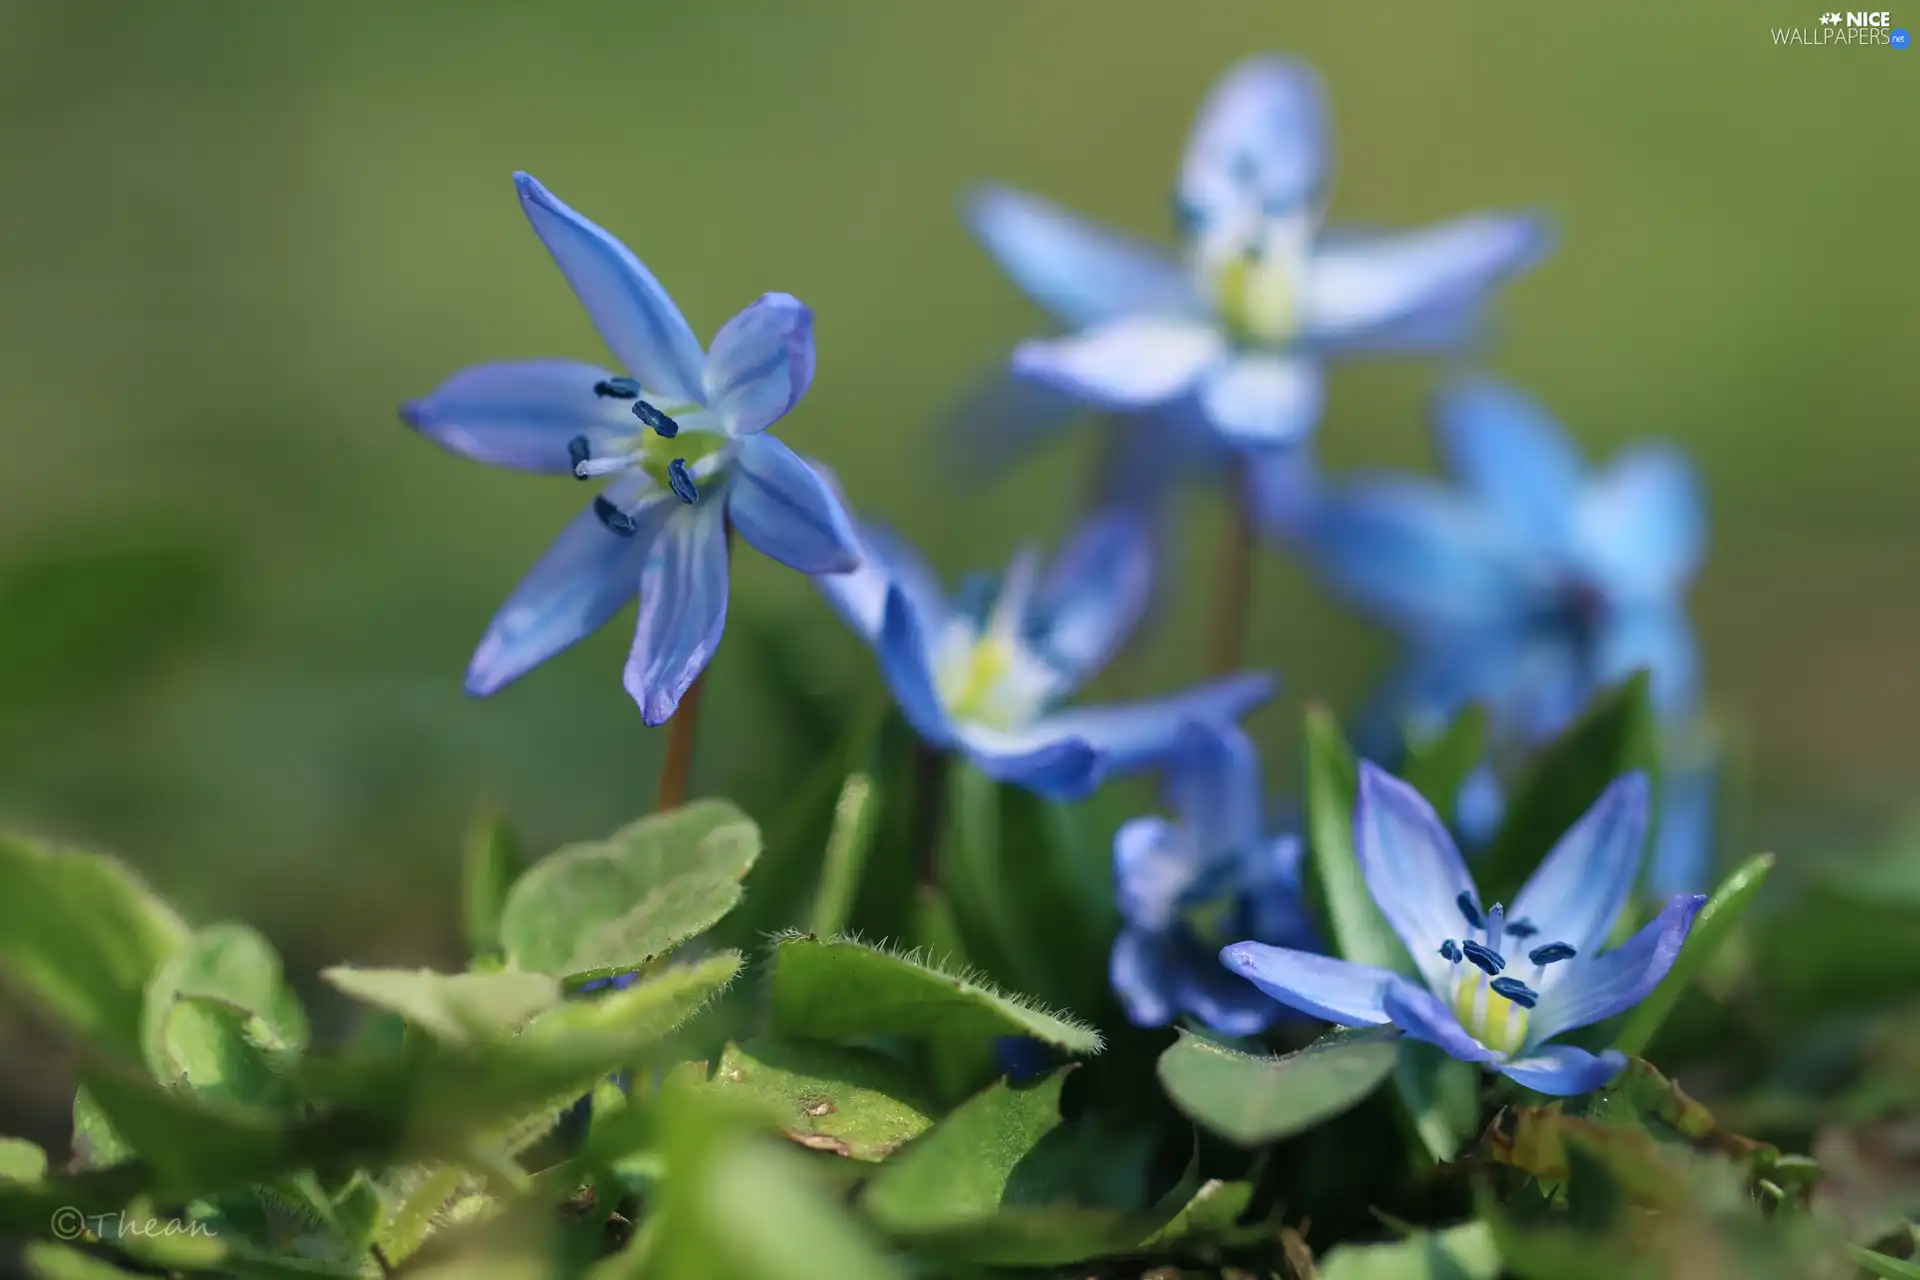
point(664, 426)
point(1470, 909)
point(1515, 990)
point(616, 520)
point(1450, 950)
point(617, 388)
point(681, 482)
point(1522, 928)
point(1551, 952)
point(1486, 958)
point(579, 451)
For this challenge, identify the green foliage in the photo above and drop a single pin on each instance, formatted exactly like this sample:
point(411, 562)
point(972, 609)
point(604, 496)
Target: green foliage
point(455, 1009)
point(1464, 1252)
point(1358, 930)
point(856, 820)
point(1257, 1100)
point(1438, 765)
point(489, 865)
point(1712, 929)
point(850, 1102)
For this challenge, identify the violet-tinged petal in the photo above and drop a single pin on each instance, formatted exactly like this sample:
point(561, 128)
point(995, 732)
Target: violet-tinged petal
point(1587, 991)
point(1093, 594)
point(1562, 1071)
point(1259, 145)
point(761, 363)
point(1364, 284)
point(907, 664)
point(1128, 363)
point(1261, 402)
point(783, 508)
point(683, 610)
point(1411, 868)
point(1353, 995)
point(1422, 1015)
point(1580, 887)
point(521, 414)
point(1509, 452)
point(1136, 735)
point(1154, 863)
point(1043, 761)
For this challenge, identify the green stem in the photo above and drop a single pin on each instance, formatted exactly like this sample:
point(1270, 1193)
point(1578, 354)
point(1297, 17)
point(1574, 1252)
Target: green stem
point(929, 811)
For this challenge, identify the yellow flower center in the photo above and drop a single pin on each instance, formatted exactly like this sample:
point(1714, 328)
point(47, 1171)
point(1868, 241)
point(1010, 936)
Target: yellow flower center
point(1488, 1016)
point(1254, 297)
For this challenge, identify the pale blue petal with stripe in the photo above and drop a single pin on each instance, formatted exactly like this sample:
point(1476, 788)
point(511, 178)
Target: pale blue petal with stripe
point(761, 363)
point(1129, 363)
point(1353, 995)
point(781, 506)
point(1590, 991)
point(1038, 757)
point(1366, 284)
point(1094, 592)
point(683, 609)
point(1154, 864)
point(1259, 145)
point(1563, 1071)
point(1580, 888)
point(1424, 1016)
point(1135, 735)
point(1642, 522)
point(1411, 868)
point(906, 662)
point(522, 414)
point(1506, 448)
point(1260, 401)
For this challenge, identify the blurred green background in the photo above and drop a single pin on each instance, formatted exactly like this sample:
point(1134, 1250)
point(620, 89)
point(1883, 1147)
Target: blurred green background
point(237, 597)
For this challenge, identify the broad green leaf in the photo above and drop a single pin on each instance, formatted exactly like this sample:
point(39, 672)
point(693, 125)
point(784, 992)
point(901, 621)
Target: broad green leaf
point(835, 990)
point(1211, 1217)
point(1616, 736)
point(46, 1261)
point(1441, 1097)
point(961, 1171)
point(1847, 938)
point(453, 1008)
point(1465, 1252)
point(193, 1146)
point(1711, 929)
point(848, 1101)
point(219, 1052)
point(1256, 1100)
point(855, 820)
point(83, 936)
point(618, 903)
point(234, 965)
point(1359, 932)
point(95, 1144)
point(1883, 1266)
point(21, 1161)
point(490, 864)
point(416, 1196)
point(1437, 766)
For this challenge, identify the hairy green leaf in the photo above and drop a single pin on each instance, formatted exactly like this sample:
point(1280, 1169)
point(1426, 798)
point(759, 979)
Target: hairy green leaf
point(453, 1008)
point(847, 1101)
point(1255, 1100)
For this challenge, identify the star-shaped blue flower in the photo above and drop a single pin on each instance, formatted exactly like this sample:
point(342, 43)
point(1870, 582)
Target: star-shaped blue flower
point(1188, 887)
point(986, 675)
point(1498, 986)
point(683, 433)
point(1531, 584)
point(1231, 332)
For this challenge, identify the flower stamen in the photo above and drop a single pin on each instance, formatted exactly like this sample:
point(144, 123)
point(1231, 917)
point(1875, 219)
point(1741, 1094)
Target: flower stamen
point(1551, 952)
point(1516, 991)
point(1485, 958)
point(1470, 909)
point(665, 426)
point(681, 483)
point(617, 388)
point(617, 521)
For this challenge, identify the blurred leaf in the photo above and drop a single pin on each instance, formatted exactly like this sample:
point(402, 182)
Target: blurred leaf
point(1211, 1217)
point(1465, 1252)
point(1441, 1095)
point(1848, 939)
point(618, 903)
point(1359, 932)
point(46, 1261)
point(415, 1196)
point(1616, 736)
point(233, 964)
point(847, 1101)
point(82, 935)
point(1711, 929)
point(193, 1146)
point(95, 1144)
point(21, 1161)
point(492, 862)
point(1438, 765)
point(1883, 1266)
point(1256, 1100)
point(856, 816)
point(457, 1008)
point(218, 1051)
point(845, 990)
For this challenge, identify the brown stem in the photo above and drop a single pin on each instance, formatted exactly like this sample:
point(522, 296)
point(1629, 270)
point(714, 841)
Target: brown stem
point(1233, 584)
point(677, 765)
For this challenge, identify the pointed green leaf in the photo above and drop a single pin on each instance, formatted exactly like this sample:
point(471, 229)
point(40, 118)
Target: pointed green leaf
point(491, 863)
point(1711, 929)
point(1255, 1100)
point(221, 1053)
point(847, 1101)
point(855, 821)
point(453, 1008)
point(1881, 1265)
point(233, 964)
point(1360, 933)
point(1441, 1096)
point(95, 1144)
point(617, 903)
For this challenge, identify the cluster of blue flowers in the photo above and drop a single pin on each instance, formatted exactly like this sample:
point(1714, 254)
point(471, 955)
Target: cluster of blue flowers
point(1525, 586)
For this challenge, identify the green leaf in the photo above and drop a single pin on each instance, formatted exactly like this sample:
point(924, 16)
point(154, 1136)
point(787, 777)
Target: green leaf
point(855, 820)
point(1256, 1100)
point(1211, 1217)
point(83, 936)
point(57, 1262)
point(848, 1101)
point(1881, 1265)
point(1441, 1095)
point(192, 1146)
point(1438, 766)
point(233, 964)
point(842, 989)
point(1711, 929)
point(1465, 1252)
point(453, 1008)
point(95, 1144)
point(219, 1051)
point(1360, 933)
point(618, 903)
point(491, 863)
point(21, 1161)
point(1616, 736)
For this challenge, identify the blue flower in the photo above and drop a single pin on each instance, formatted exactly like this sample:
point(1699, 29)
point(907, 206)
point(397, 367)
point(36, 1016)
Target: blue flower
point(1530, 586)
point(985, 675)
point(1498, 987)
point(683, 433)
point(1231, 331)
point(1189, 886)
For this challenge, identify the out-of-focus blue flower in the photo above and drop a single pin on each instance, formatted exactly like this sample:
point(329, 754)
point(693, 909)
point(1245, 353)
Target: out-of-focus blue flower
point(684, 434)
point(1531, 585)
point(1683, 843)
point(1230, 332)
point(1188, 887)
point(985, 675)
point(1498, 986)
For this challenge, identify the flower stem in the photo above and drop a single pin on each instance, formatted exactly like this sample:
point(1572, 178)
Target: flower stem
point(677, 765)
point(1233, 584)
point(929, 811)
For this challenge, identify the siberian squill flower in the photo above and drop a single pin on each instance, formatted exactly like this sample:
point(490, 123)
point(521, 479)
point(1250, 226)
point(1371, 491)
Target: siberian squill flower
point(1529, 585)
point(683, 434)
point(1229, 332)
point(986, 675)
point(1188, 887)
point(1498, 986)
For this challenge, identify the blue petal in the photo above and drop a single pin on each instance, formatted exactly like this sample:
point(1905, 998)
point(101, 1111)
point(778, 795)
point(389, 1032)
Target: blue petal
point(886, 561)
point(586, 576)
point(1094, 593)
point(782, 506)
point(1588, 991)
point(1682, 860)
point(521, 414)
point(1365, 286)
point(683, 610)
point(1563, 1071)
point(1507, 449)
point(1579, 889)
point(1263, 401)
point(1422, 1015)
point(1479, 806)
point(1045, 763)
point(634, 315)
point(1416, 555)
point(1134, 735)
point(1213, 784)
point(1411, 867)
point(1280, 914)
point(1129, 363)
point(1284, 486)
point(1138, 971)
point(1259, 145)
point(908, 668)
point(1154, 864)
point(761, 363)
point(1655, 638)
point(1642, 523)
point(1080, 273)
point(1353, 995)
point(1222, 1001)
